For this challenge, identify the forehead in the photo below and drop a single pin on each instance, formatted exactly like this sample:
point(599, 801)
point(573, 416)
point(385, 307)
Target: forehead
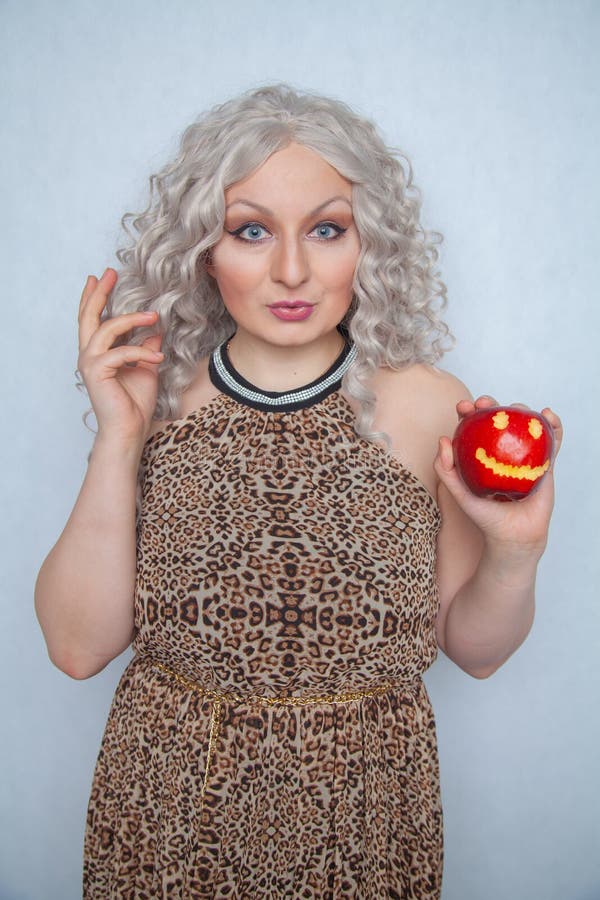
point(297, 170)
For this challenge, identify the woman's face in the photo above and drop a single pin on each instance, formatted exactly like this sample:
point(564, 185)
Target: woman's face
point(286, 260)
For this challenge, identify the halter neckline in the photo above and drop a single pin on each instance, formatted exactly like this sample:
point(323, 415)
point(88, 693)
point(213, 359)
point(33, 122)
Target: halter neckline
point(229, 381)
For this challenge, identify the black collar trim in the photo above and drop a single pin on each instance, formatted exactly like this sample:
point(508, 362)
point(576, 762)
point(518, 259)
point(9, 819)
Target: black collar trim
point(230, 382)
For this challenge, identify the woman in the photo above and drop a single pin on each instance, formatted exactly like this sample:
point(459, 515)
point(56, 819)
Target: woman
point(304, 543)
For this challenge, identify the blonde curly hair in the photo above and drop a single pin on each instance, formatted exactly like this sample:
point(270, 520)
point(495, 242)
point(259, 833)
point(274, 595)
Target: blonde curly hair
point(397, 293)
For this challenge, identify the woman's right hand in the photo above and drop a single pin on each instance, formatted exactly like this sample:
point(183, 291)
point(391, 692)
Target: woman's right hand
point(122, 381)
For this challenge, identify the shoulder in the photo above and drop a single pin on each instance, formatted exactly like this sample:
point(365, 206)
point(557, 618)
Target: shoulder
point(428, 393)
point(415, 406)
point(197, 394)
point(427, 377)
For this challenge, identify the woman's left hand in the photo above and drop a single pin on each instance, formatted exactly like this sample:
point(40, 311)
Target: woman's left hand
point(519, 526)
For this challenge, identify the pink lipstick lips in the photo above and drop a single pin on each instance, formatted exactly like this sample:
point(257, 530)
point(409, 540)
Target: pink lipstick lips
point(292, 310)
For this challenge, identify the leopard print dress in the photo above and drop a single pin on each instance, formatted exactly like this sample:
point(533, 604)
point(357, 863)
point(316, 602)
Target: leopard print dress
point(272, 737)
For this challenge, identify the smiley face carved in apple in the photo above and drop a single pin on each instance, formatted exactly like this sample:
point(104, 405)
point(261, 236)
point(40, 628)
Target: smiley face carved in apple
point(503, 452)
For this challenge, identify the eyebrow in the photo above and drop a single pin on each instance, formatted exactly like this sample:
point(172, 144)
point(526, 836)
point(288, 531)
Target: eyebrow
point(268, 212)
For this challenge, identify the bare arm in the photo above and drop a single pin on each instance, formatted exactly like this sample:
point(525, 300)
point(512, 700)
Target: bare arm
point(84, 591)
point(488, 554)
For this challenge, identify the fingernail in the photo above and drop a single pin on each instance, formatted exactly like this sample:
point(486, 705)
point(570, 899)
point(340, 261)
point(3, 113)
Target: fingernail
point(149, 313)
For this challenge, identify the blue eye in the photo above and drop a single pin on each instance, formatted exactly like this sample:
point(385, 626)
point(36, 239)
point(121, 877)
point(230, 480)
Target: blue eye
point(255, 233)
point(327, 231)
point(252, 232)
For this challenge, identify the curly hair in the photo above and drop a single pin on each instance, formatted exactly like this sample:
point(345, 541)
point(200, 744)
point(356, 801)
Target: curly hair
point(393, 319)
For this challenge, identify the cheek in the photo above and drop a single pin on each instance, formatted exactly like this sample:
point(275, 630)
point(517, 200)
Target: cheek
point(236, 277)
point(337, 272)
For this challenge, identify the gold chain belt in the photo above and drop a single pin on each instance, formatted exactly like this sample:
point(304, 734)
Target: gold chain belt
point(217, 699)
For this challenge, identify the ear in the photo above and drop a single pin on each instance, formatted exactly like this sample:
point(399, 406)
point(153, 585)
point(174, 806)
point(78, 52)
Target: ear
point(207, 262)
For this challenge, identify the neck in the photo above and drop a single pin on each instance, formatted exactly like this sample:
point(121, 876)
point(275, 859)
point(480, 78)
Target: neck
point(282, 368)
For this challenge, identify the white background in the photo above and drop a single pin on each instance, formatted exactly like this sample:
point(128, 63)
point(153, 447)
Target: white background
point(496, 104)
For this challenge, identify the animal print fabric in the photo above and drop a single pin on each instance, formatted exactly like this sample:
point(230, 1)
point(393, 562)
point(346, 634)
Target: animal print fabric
point(272, 737)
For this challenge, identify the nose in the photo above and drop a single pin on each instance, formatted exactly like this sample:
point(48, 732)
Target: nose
point(290, 264)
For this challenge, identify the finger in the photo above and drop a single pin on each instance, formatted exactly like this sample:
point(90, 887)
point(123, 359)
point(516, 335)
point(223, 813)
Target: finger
point(109, 363)
point(110, 330)
point(90, 286)
point(153, 341)
point(106, 281)
point(466, 407)
point(485, 402)
point(93, 301)
point(552, 418)
point(448, 473)
point(445, 454)
point(556, 425)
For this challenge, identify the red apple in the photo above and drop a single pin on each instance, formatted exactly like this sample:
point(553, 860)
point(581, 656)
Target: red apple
point(503, 452)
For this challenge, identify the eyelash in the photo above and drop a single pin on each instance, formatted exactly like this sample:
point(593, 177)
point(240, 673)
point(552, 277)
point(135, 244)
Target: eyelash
point(237, 232)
